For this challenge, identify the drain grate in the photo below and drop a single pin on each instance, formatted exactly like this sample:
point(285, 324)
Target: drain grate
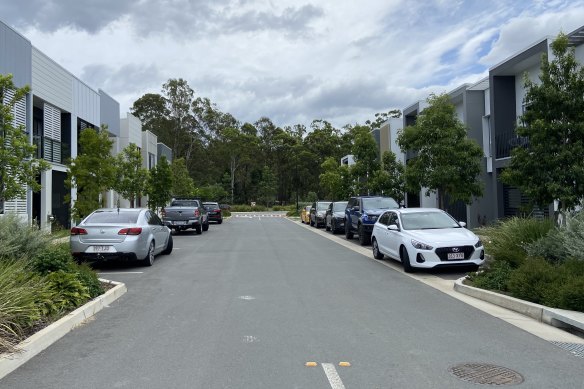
point(485, 374)
point(575, 348)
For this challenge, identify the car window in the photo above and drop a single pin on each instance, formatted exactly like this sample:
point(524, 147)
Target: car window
point(152, 218)
point(428, 220)
point(340, 206)
point(393, 219)
point(379, 203)
point(184, 203)
point(384, 219)
point(322, 206)
point(113, 217)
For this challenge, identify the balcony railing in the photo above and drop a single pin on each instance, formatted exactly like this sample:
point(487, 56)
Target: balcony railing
point(507, 141)
point(52, 150)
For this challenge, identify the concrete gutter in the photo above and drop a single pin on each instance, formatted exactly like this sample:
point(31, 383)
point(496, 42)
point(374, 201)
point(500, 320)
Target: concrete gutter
point(559, 318)
point(50, 334)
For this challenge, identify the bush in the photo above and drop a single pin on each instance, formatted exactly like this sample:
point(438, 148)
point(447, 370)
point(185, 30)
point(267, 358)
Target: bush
point(507, 240)
point(19, 297)
point(495, 277)
point(536, 281)
point(89, 279)
point(550, 247)
point(55, 257)
point(67, 291)
point(247, 208)
point(18, 239)
point(287, 208)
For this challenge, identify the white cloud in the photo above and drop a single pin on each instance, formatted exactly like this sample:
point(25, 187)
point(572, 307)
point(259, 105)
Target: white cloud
point(292, 61)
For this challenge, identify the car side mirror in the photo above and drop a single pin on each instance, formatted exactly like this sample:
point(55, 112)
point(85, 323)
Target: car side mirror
point(462, 224)
point(355, 208)
point(393, 227)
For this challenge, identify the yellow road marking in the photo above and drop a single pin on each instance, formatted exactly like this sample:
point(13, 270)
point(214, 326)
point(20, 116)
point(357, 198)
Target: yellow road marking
point(311, 364)
point(345, 364)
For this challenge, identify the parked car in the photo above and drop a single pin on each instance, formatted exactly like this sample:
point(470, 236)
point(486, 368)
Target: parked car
point(120, 233)
point(317, 213)
point(214, 213)
point(425, 238)
point(183, 214)
point(335, 217)
point(305, 214)
point(362, 213)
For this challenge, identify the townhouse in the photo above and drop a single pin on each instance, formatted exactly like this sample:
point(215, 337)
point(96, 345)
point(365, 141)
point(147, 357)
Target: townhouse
point(490, 109)
point(58, 107)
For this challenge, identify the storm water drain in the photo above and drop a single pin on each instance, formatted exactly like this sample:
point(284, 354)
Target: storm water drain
point(485, 374)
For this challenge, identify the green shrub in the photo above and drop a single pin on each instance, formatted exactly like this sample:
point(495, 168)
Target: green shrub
point(550, 247)
point(287, 208)
point(572, 236)
point(248, 208)
point(19, 297)
point(534, 281)
point(294, 212)
point(495, 277)
point(570, 295)
point(18, 239)
point(89, 279)
point(55, 257)
point(67, 291)
point(507, 240)
point(226, 213)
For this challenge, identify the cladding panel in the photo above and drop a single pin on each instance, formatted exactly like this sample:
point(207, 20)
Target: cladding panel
point(51, 82)
point(15, 56)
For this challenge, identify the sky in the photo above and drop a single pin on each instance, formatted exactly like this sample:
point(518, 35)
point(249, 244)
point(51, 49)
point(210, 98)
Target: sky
point(291, 61)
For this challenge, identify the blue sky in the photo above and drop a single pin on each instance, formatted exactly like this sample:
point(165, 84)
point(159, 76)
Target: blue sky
point(292, 61)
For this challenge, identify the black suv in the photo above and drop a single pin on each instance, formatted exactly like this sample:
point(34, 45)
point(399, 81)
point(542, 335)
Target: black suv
point(362, 213)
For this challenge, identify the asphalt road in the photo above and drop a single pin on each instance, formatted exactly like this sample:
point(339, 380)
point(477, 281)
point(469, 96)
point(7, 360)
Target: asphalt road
point(248, 303)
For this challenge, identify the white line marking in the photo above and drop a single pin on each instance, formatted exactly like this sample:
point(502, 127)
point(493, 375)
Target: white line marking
point(124, 272)
point(333, 376)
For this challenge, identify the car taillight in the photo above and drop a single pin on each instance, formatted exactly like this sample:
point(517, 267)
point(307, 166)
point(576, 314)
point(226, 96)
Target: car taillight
point(130, 231)
point(217, 210)
point(196, 213)
point(78, 231)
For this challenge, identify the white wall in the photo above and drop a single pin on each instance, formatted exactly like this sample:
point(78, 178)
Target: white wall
point(533, 74)
point(85, 103)
point(130, 131)
point(51, 82)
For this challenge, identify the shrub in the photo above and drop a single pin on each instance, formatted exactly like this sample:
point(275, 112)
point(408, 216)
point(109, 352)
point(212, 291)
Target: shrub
point(570, 295)
point(550, 247)
point(508, 239)
point(495, 277)
point(55, 257)
point(247, 208)
point(534, 281)
point(67, 291)
point(572, 236)
point(89, 279)
point(19, 308)
point(18, 239)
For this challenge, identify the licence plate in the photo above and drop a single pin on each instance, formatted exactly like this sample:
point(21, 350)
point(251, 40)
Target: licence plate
point(100, 249)
point(179, 223)
point(454, 256)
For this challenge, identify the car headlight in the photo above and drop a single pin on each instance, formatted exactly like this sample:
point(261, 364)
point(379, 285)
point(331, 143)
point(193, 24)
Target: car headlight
point(371, 218)
point(420, 245)
point(478, 244)
point(320, 214)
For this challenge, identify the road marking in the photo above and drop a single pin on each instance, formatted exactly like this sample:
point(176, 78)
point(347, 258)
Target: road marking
point(345, 364)
point(333, 376)
point(247, 297)
point(123, 272)
point(250, 339)
point(311, 364)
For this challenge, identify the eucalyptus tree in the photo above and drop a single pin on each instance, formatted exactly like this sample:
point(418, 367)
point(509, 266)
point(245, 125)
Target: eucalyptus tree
point(159, 185)
point(131, 177)
point(446, 161)
point(550, 166)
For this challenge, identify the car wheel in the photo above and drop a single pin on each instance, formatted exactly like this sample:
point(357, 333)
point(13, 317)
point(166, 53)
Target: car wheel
point(348, 232)
point(364, 239)
point(219, 221)
point(149, 260)
point(326, 226)
point(405, 258)
point(169, 245)
point(206, 226)
point(311, 223)
point(333, 227)
point(376, 253)
point(198, 229)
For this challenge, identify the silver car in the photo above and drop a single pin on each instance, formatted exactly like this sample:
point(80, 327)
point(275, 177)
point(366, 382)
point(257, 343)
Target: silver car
point(120, 233)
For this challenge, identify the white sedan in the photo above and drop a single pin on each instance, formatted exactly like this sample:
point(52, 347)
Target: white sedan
point(425, 238)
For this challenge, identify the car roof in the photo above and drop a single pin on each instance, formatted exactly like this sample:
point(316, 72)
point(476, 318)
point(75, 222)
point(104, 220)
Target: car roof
point(119, 209)
point(417, 210)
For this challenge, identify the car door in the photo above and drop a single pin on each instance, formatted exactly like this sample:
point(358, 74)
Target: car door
point(393, 236)
point(329, 215)
point(159, 231)
point(381, 233)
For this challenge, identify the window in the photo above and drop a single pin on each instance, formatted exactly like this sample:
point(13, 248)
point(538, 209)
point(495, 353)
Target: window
point(384, 219)
point(393, 219)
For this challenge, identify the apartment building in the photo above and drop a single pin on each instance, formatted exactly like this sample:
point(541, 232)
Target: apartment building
point(53, 114)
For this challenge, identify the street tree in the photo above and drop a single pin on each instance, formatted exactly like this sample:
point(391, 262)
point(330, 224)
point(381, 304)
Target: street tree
point(382, 117)
point(131, 178)
point(92, 172)
point(446, 161)
point(18, 166)
point(267, 187)
point(550, 166)
point(390, 180)
point(182, 183)
point(159, 187)
point(335, 179)
point(365, 151)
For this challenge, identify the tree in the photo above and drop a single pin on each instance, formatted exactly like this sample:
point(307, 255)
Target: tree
point(550, 167)
point(131, 177)
point(446, 161)
point(267, 186)
point(390, 180)
point(182, 183)
point(382, 117)
point(159, 187)
point(335, 180)
point(91, 172)
point(365, 151)
point(18, 167)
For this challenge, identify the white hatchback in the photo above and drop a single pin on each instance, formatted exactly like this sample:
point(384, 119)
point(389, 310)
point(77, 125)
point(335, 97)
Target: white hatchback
point(425, 238)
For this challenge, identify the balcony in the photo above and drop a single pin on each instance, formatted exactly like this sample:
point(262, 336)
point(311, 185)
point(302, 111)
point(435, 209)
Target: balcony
point(52, 150)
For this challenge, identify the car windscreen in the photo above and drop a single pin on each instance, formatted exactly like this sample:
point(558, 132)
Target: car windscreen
point(113, 217)
point(379, 203)
point(184, 203)
point(210, 205)
point(340, 207)
point(322, 206)
point(427, 221)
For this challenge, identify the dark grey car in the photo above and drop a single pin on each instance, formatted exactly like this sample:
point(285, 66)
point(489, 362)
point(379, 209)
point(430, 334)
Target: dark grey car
point(335, 217)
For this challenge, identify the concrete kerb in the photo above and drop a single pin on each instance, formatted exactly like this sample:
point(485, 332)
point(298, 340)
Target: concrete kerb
point(50, 334)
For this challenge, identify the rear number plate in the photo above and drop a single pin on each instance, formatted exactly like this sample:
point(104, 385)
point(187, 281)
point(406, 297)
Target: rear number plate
point(455, 256)
point(179, 223)
point(100, 249)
